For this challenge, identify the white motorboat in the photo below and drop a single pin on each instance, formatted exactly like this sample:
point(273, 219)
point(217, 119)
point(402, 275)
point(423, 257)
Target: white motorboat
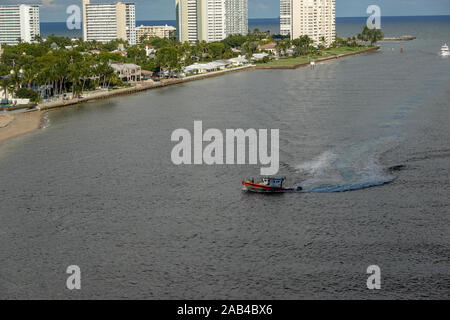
point(444, 50)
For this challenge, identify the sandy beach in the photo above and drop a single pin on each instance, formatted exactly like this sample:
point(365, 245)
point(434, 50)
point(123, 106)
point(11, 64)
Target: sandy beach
point(15, 125)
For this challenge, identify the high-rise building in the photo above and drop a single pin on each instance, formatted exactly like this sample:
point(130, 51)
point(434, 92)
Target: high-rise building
point(154, 31)
point(314, 18)
point(236, 17)
point(285, 17)
point(105, 22)
point(210, 20)
point(187, 24)
point(19, 22)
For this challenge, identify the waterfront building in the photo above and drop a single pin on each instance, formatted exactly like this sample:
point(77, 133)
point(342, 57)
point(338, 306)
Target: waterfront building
point(269, 47)
point(259, 56)
point(314, 18)
point(19, 22)
point(210, 20)
point(285, 17)
point(106, 22)
point(145, 32)
point(127, 71)
point(236, 17)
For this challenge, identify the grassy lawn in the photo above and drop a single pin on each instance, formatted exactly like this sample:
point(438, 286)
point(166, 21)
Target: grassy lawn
point(306, 59)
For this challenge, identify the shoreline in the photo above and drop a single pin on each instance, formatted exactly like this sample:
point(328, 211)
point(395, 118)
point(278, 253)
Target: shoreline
point(138, 88)
point(18, 124)
point(174, 81)
point(320, 60)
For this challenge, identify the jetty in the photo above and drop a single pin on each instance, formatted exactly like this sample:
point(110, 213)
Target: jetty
point(402, 38)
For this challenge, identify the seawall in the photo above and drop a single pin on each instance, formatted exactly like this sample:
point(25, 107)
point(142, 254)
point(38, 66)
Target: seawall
point(139, 87)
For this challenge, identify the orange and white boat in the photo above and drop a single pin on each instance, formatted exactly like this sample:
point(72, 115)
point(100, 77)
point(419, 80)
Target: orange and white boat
point(268, 185)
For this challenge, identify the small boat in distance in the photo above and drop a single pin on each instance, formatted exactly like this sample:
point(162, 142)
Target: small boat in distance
point(268, 185)
point(444, 50)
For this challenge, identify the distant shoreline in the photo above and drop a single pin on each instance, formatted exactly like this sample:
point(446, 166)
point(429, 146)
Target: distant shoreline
point(168, 82)
point(320, 60)
point(29, 121)
point(278, 18)
point(138, 88)
point(60, 29)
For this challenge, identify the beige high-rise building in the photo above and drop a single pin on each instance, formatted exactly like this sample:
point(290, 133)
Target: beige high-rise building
point(314, 18)
point(211, 20)
point(154, 31)
point(105, 22)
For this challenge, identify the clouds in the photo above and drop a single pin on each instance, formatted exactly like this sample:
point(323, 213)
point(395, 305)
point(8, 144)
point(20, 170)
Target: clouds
point(48, 3)
point(42, 3)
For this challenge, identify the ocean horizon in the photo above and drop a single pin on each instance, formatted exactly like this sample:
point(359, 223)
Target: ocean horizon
point(344, 25)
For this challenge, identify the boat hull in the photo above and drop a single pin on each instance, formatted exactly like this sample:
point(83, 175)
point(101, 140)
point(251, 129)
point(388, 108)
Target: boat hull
point(255, 187)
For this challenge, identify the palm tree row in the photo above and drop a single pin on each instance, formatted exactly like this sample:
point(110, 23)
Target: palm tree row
point(59, 65)
point(52, 72)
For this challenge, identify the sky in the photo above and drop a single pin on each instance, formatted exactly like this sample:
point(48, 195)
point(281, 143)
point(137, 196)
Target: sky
point(55, 10)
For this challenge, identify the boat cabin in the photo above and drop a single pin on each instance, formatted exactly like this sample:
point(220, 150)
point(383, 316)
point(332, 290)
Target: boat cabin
point(273, 182)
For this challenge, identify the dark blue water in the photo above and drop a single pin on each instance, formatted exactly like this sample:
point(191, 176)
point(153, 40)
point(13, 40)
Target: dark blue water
point(96, 187)
point(344, 26)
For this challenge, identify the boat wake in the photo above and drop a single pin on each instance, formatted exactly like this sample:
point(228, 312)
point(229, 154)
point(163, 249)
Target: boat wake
point(45, 121)
point(352, 168)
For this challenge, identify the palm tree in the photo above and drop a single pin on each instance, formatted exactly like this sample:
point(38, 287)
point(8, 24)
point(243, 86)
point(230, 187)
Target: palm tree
point(323, 42)
point(74, 75)
point(303, 45)
point(372, 35)
point(249, 48)
point(4, 84)
point(279, 48)
point(28, 76)
point(87, 70)
point(375, 36)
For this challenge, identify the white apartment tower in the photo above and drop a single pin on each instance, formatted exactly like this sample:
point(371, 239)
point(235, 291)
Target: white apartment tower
point(19, 22)
point(236, 17)
point(285, 17)
point(210, 20)
point(187, 24)
point(314, 18)
point(130, 27)
point(106, 22)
